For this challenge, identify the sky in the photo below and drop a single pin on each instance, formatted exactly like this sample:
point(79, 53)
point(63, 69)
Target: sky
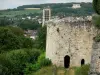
point(5, 4)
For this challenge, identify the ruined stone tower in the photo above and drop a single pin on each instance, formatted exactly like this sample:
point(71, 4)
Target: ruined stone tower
point(95, 59)
point(69, 41)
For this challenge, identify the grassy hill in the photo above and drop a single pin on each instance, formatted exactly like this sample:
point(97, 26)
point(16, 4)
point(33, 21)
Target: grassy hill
point(12, 13)
point(58, 9)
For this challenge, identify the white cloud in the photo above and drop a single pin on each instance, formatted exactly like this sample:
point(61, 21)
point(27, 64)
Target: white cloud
point(14, 3)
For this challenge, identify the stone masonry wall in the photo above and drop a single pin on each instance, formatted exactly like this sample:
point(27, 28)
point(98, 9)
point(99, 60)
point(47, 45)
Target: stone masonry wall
point(74, 39)
point(95, 59)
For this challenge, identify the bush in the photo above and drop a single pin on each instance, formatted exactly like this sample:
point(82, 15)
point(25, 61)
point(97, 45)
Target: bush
point(5, 65)
point(33, 55)
point(97, 38)
point(82, 70)
point(43, 61)
point(96, 21)
point(16, 30)
point(18, 61)
point(36, 67)
point(10, 39)
point(40, 41)
point(27, 42)
point(29, 24)
point(31, 68)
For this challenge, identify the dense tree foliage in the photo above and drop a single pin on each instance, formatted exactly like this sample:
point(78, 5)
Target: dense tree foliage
point(96, 6)
point(11, 38)
point(25, 60)
point(15, 62)
point(40, 41)
point(96, 19)
point(4, 21)
point(16, 30)
point(29, 24)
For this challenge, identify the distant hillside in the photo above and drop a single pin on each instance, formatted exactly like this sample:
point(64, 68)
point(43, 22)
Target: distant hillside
point(64, 9)
point(58, 9)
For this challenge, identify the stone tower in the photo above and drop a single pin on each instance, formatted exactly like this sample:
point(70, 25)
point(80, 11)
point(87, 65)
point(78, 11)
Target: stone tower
point(46, 15)
point(69, 41)
point(95, 59)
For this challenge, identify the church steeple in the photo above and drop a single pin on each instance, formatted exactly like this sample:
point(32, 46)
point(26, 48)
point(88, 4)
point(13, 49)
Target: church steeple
point(46, 15)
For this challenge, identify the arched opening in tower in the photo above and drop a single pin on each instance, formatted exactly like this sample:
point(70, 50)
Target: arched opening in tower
point(66, 61)
point(82, 62)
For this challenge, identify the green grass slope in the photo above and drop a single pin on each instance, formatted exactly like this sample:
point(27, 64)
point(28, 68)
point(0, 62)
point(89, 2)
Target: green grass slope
point(52, 70)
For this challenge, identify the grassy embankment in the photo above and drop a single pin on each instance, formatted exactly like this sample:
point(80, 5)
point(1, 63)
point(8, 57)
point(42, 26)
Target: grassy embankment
point(52, 70)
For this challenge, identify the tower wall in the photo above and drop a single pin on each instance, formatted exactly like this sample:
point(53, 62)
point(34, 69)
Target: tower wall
point(74, 39)
point(95, 59)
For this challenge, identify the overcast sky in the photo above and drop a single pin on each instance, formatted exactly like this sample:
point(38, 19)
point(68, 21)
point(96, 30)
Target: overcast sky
point(4, 4)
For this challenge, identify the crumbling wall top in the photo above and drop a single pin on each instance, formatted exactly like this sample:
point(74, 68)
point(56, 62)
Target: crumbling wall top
point(71, 19)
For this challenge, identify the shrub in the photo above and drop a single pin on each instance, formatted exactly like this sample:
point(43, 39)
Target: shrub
point(5, 65)
point(31, 68)
point(40, 41)
point(29, 24)
point(36, 67)
point(97, 38)
point(96, 21)
point(18, 61)
point(27, 42)
point(16, 30)
point(10, 39)
point(33, 55)
point(82, 70)
point(43, 61)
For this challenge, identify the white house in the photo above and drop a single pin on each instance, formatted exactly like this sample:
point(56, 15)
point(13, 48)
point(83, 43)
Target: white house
point(75, 6)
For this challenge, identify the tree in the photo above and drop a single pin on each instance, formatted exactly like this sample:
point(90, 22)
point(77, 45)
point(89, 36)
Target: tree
point(96, 6)
point(8, 40)
point(14, 62)
point(11, 39)
point(4, 21)
point(16, 30)
point(96, 19)
point(41, 38)
point(29, 24)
